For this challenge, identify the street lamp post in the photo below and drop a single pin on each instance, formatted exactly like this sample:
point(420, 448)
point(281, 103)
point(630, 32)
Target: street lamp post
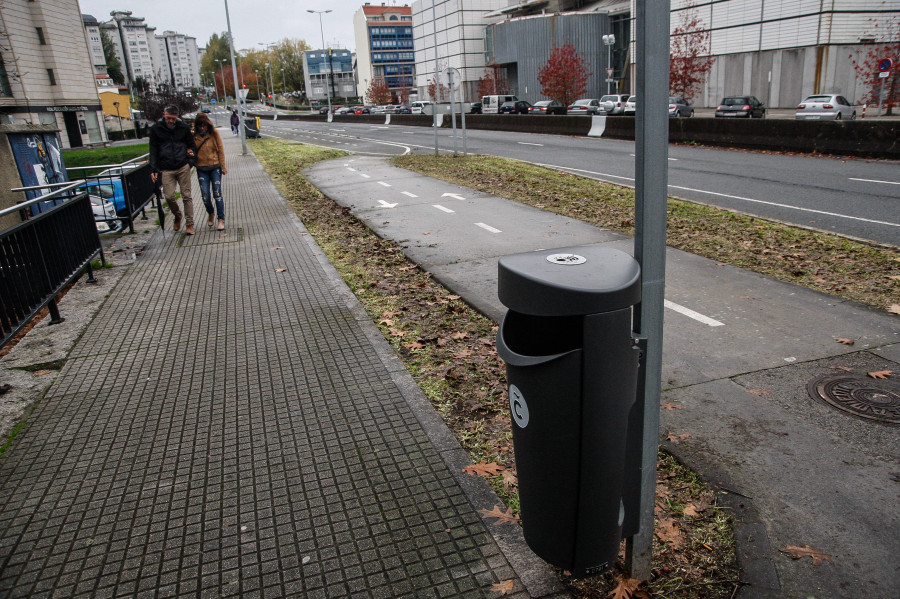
point(322, 29)
point(283, 84)
point(222, 67)
point(242, 111)
point(116, 104)
point(258, 97)
point(609, 41)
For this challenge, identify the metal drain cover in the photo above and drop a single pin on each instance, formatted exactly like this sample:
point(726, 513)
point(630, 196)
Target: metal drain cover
point(871, 399)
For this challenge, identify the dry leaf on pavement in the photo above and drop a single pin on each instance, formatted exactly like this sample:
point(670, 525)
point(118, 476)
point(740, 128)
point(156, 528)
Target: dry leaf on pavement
point(894, 309)
point(844, 341)
point(484, 469)
point(673, 438)
point(503, 587)
point(671, 406)
point(502, 517)
point(758, 392)
point(280, 270)
point(805, 550)
point(625, 588)
point(881, 374)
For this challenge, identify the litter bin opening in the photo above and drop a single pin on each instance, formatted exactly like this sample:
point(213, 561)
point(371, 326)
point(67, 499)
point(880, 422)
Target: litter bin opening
point(529, 335)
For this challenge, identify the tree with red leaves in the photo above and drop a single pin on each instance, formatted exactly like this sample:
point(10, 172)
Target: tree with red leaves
point(689, 59)
point(493, 82)
point(882, 41)
point(444, 91)
point(564, 77)
point(378, 93)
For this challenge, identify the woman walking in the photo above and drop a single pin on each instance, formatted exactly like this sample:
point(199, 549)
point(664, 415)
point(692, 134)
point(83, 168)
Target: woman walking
point(235, 122)
point(210, 168)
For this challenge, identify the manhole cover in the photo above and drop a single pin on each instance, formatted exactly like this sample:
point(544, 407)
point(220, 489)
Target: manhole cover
point(870, 399)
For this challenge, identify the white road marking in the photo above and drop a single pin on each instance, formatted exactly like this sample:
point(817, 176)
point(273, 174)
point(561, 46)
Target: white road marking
point(386, 205)
point(439, 207)
point(385, 184)
point(406, 193)
point(875, 181)
point(365, 175)
point(488, 228)
point(691, 314)
point(352, 170)
point(455, 196)
point(525, 143)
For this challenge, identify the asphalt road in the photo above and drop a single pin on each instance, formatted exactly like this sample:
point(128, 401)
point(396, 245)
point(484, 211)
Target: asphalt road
point(850, 196)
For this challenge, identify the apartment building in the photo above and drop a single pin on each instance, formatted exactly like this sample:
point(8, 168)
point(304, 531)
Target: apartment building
point(95, 44)
point(332, 67)
point(178, 60)
point(46, 71)
point(135, 46)
point(384, 48)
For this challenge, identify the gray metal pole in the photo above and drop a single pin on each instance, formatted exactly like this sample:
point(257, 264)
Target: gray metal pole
point(242, 111)
point(437, 84)
point(452, 111)
point(651, 170)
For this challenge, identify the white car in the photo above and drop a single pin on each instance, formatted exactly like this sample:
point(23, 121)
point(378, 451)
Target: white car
point(614, 104)
point(630, 106)
point(825, 107)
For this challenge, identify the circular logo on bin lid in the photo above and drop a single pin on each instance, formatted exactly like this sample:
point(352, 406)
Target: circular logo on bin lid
point(566, 259)
point(518, 407)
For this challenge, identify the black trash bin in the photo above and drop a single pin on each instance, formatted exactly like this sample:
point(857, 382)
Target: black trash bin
point(572, 367)
point(251, 128)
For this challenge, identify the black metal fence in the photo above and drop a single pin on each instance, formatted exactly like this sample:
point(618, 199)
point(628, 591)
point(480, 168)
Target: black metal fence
point(120, 191)
point(43, 254)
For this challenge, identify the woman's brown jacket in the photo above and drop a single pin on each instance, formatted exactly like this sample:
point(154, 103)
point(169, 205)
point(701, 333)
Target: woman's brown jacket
point(210, 151)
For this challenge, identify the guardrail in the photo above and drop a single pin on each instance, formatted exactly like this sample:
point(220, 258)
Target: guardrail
point(43, 254)
point(127, 185)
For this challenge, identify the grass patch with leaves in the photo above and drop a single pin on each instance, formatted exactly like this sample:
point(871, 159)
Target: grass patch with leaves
point(450, 351)
point(852, 270)
point(111, 155)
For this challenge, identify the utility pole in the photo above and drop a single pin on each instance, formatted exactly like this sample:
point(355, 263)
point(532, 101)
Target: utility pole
point(330, 69)
point(242, 114)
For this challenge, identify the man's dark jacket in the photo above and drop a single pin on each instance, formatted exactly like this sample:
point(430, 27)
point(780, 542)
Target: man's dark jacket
point(168, 147)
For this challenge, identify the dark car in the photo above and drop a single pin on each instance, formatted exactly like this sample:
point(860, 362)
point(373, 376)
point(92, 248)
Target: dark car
point(517, 107)
point(334, 107)
point(404, 109)
point(476, 108)
point(548, 107)
point(206, 109)
point(746, 107)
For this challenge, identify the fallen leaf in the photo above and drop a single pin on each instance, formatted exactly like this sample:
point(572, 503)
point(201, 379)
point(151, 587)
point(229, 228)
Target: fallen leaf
point(43, 372)
point(894, 309)
point(397, 332)
point(484, 469)
point(844, 341)
point(414, 345)
point(625, 588)
point(280, 269)
point(673, 438)
point(895, 277)
point(503, 587)
point(452, 297)
point(459, 335)
point(671, 406)
point(387, 322)
point(881, 374)
point(502, 517)
point(667, 531)
point(758, 392)
point(805, 550)
point(510, 479)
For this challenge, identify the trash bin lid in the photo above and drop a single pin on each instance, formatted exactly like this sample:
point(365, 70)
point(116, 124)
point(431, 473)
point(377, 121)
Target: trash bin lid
point(569, 281)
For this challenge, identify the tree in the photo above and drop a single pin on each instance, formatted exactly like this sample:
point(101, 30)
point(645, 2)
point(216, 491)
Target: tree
point(881, 41)
point(113, 66)
point(443, 90)
point(153, 102)
point(564, 77)
point(689, 62)
point(378, 93)
point(493, 82)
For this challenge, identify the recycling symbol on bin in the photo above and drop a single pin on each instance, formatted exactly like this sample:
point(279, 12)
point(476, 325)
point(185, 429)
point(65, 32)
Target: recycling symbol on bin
point(518, 407)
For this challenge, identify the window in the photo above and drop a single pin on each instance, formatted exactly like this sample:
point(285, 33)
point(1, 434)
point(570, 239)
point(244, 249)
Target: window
point(51, 76)
point(40, 33)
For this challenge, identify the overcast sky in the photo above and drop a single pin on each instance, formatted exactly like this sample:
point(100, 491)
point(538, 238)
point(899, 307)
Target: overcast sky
point(252, 21)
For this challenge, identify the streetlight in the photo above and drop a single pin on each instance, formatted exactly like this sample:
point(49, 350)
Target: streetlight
point(116, 104)
point(283, 84)
point(242, 109)
point(609, 41)
point(322, 29)
point(268, 73)
point(222, 67)
point(258, 97)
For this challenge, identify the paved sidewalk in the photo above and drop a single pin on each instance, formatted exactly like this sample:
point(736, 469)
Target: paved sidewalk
point(233, 425)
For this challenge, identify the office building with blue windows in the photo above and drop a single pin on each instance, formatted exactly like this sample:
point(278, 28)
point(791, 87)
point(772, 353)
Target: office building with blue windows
point(332, 67)
point(384, 49)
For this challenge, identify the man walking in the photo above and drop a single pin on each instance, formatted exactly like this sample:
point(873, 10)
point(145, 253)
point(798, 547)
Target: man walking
point(172, 152)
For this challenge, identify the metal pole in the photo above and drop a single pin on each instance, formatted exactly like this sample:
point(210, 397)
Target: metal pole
point(437, 88)
point(242, 113)
point(327, 82)
point(452, 111)
point(651, 170)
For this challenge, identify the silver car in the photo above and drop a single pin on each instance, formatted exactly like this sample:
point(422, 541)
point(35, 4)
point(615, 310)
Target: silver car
point(614, 104)
point(680, 107)
point(824, 107)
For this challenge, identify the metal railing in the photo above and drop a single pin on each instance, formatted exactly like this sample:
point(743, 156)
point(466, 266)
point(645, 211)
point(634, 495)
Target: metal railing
point(127, 185)
point(44, 253)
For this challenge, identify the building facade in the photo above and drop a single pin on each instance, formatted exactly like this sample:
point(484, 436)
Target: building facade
point(178, 60)
point(95, 44)
point(135, 46)
point(385, 48)
point(46, 71)
point(332, 67)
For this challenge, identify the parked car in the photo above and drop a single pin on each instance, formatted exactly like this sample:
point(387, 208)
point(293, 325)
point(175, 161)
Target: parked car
point(404, 109)
point(517, 107)
point(547, 107)
point(343, 110)
point(825, 107)
point(589, 106)
point(630, 106)
point(362, 110)
point(741, 107)
point(334, 109)
point(476, 108)
point(680, 107)
point(614, 104)
point(418, 107)
point(206, 109)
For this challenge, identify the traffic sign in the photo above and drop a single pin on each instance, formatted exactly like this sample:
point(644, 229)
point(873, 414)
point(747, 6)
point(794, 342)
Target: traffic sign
point(450, 76)
point(243, 93)
point(212, 101)
point(885, 64)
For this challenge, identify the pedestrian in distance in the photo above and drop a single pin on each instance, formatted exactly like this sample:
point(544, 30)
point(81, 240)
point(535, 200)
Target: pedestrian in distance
point(172, 154)
point(235, 122)
point(210, 168)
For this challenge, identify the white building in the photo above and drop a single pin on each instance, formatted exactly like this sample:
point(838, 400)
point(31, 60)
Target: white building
point(178, 60)
point(46, 71)
point(135, 46)
point(95, 44)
